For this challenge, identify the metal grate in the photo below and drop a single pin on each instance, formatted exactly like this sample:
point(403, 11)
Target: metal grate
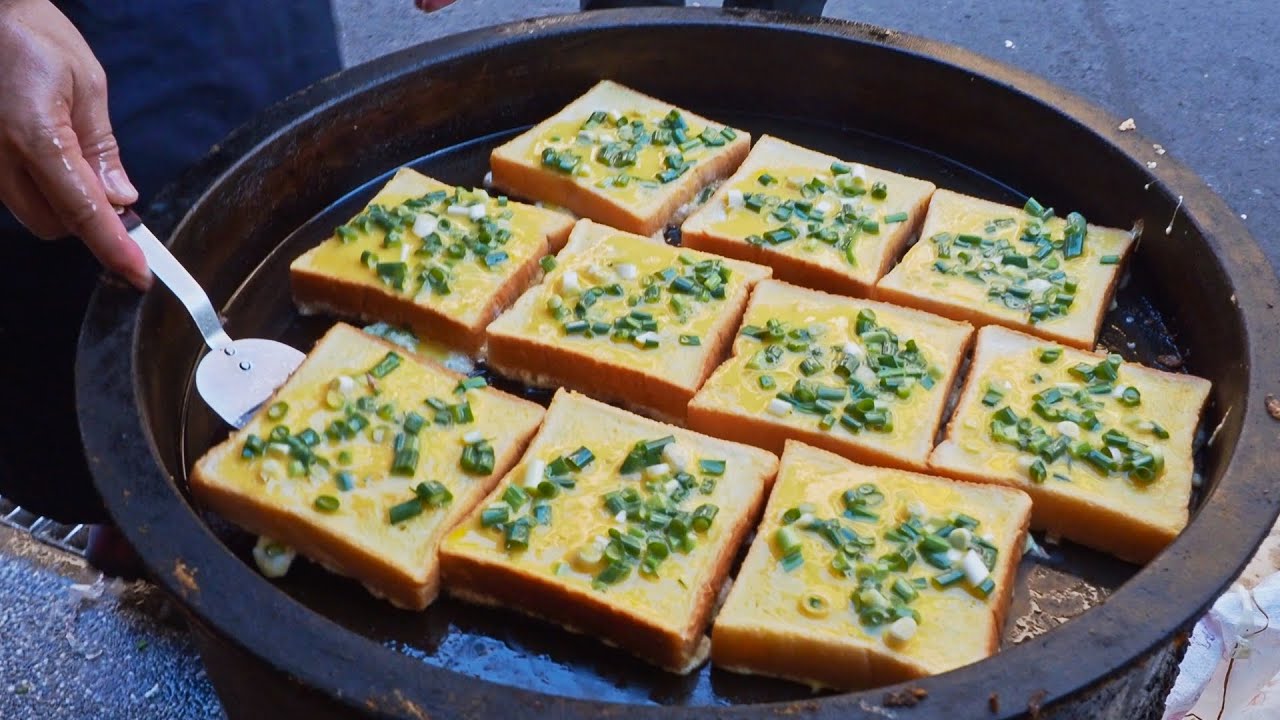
point(72, 538)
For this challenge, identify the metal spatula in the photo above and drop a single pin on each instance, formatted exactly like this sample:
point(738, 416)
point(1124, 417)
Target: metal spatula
point(238, 375)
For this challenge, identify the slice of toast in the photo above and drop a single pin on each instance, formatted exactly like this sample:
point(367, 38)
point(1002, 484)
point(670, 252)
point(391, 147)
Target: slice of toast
point(626, 319)
point(802, 370)
point(441, 260)
point(619, 157)
point(614, 526)
point(818, 221)
point(862, 576)
point(348, 465)
point(991, 264)
point(1033, 414)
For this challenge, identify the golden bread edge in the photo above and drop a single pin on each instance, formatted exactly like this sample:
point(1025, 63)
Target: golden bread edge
point(1132, 539)
point(678, 650)
point(399, 586)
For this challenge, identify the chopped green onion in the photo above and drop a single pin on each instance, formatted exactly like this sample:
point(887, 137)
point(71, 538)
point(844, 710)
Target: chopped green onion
point(712, 467)
point(326, 503)
point(405, 463)
point(1109, 259)
point(494, 515)
point(278, 410)
point(405, 510)
point(1038, 471)
point(494, 259)
point(433, 493)
point(1034, 208)
point(948, 578)
point(1050, 355)
point(703, 516)
point(580, 458)
point(254, 446)
point(894, 218)
point(548, 263)
point(613, 573)
point(517, 535)
point(985, 587)
point(692, 340)
point(478, 458)
point(515, 496)
point(413, 422)
point(461, 413)
point(542, 512)
point(1074, 236)
point(386, 365)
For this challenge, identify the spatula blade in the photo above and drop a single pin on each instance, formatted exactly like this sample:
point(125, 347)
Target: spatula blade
point(236, 379)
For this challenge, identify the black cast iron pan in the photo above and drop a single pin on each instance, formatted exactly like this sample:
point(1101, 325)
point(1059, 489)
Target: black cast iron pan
point(1200, 298)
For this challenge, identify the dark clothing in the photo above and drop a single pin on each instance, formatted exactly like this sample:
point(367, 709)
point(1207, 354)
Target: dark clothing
point(182, 75)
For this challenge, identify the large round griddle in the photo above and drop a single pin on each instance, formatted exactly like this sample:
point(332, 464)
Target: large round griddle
point(1197, 299)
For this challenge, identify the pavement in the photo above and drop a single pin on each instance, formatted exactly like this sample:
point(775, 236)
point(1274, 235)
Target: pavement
point(1201, 79)
point(75, 646)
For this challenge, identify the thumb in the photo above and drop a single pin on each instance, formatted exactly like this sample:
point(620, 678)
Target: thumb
point(90, 121)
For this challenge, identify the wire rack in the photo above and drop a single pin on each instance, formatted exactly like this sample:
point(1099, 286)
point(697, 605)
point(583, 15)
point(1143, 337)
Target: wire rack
point(71, 538)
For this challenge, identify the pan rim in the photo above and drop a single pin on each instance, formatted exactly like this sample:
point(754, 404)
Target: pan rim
point(147, 505)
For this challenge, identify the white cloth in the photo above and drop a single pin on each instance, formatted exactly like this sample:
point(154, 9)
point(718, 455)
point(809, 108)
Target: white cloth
point(1232, 665)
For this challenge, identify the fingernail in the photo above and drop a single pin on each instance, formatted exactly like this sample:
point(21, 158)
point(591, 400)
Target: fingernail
point(118, 185)
point(141, 279)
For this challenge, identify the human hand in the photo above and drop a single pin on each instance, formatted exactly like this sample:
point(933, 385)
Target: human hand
point(432, 5)
point(60, 171)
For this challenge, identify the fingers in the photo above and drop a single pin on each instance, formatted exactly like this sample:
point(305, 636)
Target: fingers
point(72, 190)
point(432, 5)
point(19, 193)
point(92, 126)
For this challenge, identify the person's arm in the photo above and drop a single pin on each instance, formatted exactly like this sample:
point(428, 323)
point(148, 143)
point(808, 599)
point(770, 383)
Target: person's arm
point(60, 171)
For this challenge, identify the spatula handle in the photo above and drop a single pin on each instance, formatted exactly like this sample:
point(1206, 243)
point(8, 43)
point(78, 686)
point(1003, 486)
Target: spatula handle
point(178, 280)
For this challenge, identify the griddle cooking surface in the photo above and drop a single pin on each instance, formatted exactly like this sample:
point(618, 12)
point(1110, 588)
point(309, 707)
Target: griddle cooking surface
point(507, 648)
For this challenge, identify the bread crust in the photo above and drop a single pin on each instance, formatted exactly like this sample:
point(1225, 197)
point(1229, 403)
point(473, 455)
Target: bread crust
point(779, 650)
point(979, 318)
point(705, 415)
point(678, 645)
point(678, 650)
point(1083, 338)
point(315, 292)
point(515, 174)
point(805, 272)
point(1129, 537)
point(541, 364)
point(405, 587)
